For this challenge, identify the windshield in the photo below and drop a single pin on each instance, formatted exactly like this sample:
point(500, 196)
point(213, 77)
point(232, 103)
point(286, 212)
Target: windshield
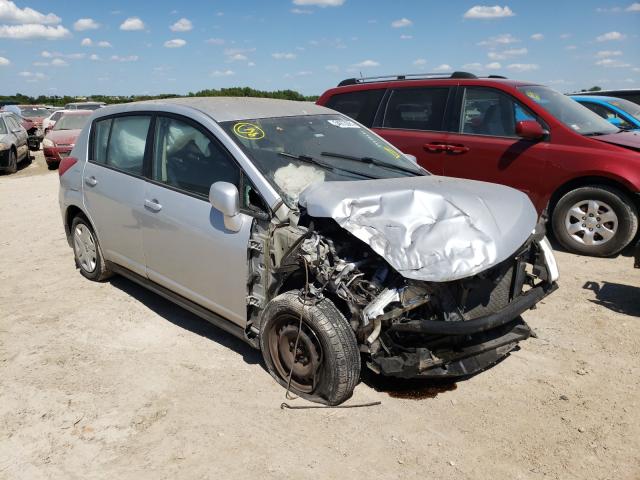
point(293, 152)
point(71, 122)
point(575, 116)
point(631, 108)
point(33, 112)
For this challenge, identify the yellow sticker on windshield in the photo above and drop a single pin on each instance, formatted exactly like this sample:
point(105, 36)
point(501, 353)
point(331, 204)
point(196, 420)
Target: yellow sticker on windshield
point(390, 150)
point(248, 131)
point(535, 96)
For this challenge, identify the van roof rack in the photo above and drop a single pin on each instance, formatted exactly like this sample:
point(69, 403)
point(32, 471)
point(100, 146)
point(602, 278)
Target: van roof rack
point(408, 76)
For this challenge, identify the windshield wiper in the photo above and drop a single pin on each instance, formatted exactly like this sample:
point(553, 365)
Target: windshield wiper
point(314, 161)
point(372, 161)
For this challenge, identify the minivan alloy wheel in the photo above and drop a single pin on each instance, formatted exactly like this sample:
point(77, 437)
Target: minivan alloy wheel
point(85, 248)
point(591, 222)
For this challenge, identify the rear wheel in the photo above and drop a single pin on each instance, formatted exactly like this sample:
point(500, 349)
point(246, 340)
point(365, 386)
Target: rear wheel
point(86, 250)
point(595, 220)
point(12, 167)
point(325, 366)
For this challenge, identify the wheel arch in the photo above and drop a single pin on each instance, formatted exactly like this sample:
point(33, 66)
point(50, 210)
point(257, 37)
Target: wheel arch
point(592, 180)
point(72, 212)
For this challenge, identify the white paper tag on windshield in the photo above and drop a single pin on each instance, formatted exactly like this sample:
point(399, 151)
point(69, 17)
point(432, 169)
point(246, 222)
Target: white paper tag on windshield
point(343, 123)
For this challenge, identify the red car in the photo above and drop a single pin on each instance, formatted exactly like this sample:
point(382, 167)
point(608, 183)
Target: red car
point(61, 139)
point(576, 166)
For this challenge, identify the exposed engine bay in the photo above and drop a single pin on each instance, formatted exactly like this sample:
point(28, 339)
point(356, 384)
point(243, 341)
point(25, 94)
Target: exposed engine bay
point(404, 327)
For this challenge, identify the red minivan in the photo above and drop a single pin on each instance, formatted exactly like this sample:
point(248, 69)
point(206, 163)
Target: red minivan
point(576, 166)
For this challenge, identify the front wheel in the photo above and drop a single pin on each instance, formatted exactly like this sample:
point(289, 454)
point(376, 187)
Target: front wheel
point(12, 167)
point(325, 366)
point(595, 220)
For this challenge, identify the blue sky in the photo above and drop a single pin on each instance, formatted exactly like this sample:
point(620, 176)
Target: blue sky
point(124, 47)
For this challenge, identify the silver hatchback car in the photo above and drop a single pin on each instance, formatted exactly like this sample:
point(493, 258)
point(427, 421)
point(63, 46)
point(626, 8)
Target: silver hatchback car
point(308, 236)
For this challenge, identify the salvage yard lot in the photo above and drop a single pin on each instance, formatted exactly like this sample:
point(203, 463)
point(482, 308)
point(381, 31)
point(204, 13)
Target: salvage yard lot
point(111, 381)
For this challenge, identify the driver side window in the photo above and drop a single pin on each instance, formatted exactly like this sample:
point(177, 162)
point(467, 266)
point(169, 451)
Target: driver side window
point(186, 158)
point(488, 111)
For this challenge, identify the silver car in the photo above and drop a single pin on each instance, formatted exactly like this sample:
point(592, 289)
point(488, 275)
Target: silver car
point(308, 236)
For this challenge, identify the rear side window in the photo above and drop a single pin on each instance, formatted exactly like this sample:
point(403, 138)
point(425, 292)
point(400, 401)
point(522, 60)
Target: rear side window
point(416, 109)
point(56, 116)
point(361, 105)
point(120, 142)
point(3, 129)
point(188, 159)
point(12, 124)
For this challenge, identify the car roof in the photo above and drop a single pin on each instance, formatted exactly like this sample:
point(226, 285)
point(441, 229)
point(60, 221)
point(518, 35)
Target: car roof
point(223, 109)
point(75, 112)
point(595, 98)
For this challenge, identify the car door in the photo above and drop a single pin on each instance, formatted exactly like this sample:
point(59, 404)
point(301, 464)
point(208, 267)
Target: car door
point(21, 136)
point(114, 186)
point(485, 146)
point(187, 247)
point(414, 121)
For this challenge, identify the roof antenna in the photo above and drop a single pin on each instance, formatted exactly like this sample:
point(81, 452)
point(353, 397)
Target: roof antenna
point(361, 74)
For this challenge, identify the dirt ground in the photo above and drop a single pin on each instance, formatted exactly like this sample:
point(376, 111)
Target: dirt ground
point(111, 381)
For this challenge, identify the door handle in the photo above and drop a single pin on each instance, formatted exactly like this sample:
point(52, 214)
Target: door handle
point(153, 205)
point(91, 181)
point(435, 147)
point(457, 149)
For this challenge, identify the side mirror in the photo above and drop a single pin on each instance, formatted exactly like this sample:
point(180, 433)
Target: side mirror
point(413, 158)
point(530, 130)
point(225, 198)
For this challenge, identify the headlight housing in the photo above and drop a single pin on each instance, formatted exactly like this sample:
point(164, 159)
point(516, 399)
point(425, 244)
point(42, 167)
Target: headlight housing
point(48, 143)
point(4, 146)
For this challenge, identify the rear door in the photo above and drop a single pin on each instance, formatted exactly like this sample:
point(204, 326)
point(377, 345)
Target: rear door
point(188, 250)
point(485, 145)
point(414, 121)
point(22, 138)
point(113, 186)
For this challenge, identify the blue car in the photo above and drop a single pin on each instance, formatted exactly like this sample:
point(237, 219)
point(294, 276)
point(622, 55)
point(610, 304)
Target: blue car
point(620, 112)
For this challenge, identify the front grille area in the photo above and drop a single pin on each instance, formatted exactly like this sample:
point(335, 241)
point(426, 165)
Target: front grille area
point(489, 291)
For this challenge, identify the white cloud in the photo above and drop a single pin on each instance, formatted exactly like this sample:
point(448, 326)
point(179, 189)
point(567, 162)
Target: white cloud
point(33, 75)
point(493, 65)
point(216, 41)
point(32, 31)
point(403, 22)
point(564, 36)
point(512, 52)
point(104, 44)
point(182, 25)
point(58, 62)
point(523, 67)
point(129, 58)
point(222, 73)
point(419, 62)
point(612, 63)
point(319, 3)
point(503, 39)
point(634, 7)
point(367, 64)
point(284, 56)
point(332, 68)
point(571, 47)
point(251, 64)
point(496, 56)
point(4, 62)
point(94, 57)
point(605, 37)
point(301, 11)
point(238, 57)
point(406, 37)
point(537, 36)
point(443, 68)
point(86, 42)
point(175, 43)
point(10, 13)
point(608, 53)
point(85, 24)
point(40, 64)
point(486, 12)
point(131, 24)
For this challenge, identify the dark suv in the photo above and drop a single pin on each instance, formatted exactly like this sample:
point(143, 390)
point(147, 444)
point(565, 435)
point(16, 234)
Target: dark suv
point(575, 165)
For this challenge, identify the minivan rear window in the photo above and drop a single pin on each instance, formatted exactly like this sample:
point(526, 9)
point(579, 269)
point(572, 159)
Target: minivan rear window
point(360, 105)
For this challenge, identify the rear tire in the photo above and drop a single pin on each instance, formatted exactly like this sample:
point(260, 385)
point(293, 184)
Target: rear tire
point(326, 368)
point(87, 252)
point(13, 162)
point(595, 220)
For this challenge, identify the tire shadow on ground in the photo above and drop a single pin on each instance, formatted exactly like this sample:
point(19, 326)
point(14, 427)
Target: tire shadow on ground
point(616, 297)
point(187, 320)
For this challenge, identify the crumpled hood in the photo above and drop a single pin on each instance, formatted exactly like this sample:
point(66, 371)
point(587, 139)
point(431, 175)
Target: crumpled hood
point(623, 139)
point(428, 228)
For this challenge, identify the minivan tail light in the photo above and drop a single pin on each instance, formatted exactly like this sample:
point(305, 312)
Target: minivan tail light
point(65, 164)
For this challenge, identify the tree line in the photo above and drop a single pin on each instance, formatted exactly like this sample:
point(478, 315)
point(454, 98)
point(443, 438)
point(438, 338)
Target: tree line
point(59, 101)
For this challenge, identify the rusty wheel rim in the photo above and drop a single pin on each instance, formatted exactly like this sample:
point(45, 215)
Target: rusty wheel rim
point(308, 356)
